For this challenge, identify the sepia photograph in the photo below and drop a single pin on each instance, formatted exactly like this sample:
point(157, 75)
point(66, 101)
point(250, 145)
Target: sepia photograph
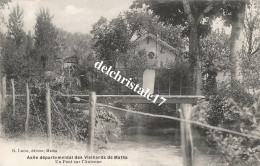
point(130, 82)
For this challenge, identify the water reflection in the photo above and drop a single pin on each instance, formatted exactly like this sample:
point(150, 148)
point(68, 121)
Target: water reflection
point(159, 146)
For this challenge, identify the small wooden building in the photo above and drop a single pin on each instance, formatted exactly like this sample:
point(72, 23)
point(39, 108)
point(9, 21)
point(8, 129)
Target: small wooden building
point(164, 53)
point(162, 58)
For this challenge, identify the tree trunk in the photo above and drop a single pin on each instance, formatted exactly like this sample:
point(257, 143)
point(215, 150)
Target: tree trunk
point(195, 59)
point(235, 43)
point(194, 20)
point(1, 61)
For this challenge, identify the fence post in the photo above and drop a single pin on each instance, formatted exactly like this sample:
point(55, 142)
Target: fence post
point(186, 137)
point(91, 125)
point(13, 96)
point(1, 128)
point(48, 114)
point(27, 109)
point(170, 82)
point(3, 92)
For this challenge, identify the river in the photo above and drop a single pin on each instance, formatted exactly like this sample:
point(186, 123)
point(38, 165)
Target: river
point(145, 144)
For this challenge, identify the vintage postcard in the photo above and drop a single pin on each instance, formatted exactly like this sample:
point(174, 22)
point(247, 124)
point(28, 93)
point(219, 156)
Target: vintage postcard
point(129, 82)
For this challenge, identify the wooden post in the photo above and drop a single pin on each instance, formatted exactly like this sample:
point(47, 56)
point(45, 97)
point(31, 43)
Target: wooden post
point(186, 137)
point(1, 128)
point(170, 82)
point(3, 92)
point(48, 114)
point(13, 96)
point(176, 132)
point(181, 84)
point(2, 102)
point(91, 125)
point(158, 81)
point(27, 110)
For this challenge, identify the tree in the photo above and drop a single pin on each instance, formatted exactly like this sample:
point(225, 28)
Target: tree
point(113, 40)
point(14, 49)
point(15, 25)
point(251, 46)
point(74, 44)
point(46, 43)
point(195, 16)
point(2, 5)
point(213, 48)
point(234, 15)
point(251, 26)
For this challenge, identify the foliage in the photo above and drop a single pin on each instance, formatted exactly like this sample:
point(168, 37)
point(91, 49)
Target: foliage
point(236, 110)
point(69, 121)
point(114, 40)
point(46, 44)
point(251, 29)
point(15, 46)
point(33, 60)
point(73, 44)
point(250, 69)
point(4, 2)
point(214, 49)
point(14, 125)
point(250, 50)
point(196, 18)
point(231, 9)
point(15, 25)
point(174, 13)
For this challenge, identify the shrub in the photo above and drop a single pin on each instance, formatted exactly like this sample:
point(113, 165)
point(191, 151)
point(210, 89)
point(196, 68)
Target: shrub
point(237, 110)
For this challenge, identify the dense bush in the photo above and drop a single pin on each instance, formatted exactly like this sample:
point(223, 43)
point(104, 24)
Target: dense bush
point(69, 120)
point(237, 110)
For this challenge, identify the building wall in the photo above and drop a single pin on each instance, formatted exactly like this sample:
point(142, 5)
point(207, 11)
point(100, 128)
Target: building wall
point(164, 58)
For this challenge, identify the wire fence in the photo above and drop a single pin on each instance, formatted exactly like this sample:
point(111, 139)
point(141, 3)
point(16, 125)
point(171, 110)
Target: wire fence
point(181, 120)
point(79, 98)
point(51, 104)
point(163, 116)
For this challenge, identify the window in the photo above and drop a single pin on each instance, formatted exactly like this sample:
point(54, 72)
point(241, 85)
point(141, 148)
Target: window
point(151, 55)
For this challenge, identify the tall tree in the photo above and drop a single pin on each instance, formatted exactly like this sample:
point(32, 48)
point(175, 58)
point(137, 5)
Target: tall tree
point(2, 5)
point(15, 25)
point(234, 15)
point(195, 16)
point(251, 47)
point(46, 40)
point(14, 50)
point(251, 27)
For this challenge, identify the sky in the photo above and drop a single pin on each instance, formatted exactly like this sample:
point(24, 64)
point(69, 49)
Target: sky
point(70, 15)
point(75, 15)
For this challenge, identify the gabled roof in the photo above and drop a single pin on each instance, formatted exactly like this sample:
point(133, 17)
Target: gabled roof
point(158, 40)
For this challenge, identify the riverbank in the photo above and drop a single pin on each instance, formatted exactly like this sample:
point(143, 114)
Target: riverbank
point(138, 150)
